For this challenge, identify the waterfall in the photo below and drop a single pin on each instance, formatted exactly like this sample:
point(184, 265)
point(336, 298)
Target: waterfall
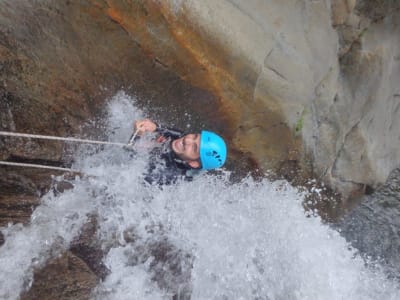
point(205, 239)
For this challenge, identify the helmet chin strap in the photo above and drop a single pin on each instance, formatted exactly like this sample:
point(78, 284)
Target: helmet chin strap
point(181, 161)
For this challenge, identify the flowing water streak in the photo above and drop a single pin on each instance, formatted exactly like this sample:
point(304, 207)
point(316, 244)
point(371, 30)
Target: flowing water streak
point(208, 238)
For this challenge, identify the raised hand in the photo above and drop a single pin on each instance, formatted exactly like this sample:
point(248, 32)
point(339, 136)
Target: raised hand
point(143, 126)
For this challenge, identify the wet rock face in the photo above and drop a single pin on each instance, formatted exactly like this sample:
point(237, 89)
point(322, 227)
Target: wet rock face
point(365, 113)
point(312, 83)
point(20, 194)
point(269, 77)
point(61, 60)
point(75, 272)
point(377, 10)
point(323, 90)
point(66, 277)
point(373, 227)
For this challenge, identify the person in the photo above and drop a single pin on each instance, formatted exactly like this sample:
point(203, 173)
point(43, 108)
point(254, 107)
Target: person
point(180, 155)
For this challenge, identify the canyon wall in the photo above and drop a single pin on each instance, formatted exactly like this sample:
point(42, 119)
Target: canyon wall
point(312, 84)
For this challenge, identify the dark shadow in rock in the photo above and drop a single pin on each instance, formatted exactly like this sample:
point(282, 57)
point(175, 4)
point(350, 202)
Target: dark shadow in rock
point(2, 240)
point(373, 227)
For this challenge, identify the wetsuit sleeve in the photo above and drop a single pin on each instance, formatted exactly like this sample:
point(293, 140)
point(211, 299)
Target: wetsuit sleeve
point(169, 132)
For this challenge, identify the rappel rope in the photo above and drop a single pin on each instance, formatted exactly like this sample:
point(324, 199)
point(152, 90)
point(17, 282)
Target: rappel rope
point(57, 138)
point(15, 164)
point(132, 138)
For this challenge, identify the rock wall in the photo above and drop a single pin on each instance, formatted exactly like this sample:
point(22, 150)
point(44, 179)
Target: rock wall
point(307, 82)
point(367, 103)
point(59, 63)
point(313, 83)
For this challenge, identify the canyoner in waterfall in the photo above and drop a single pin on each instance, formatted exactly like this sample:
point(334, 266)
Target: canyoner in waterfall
point(180, 155)
point(177, 155)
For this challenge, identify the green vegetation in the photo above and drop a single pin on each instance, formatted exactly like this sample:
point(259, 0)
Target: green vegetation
point(299, 124)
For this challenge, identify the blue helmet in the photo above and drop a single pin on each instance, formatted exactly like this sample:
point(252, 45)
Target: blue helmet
point(212, 150)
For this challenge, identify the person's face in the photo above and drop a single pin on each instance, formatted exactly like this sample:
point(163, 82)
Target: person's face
point(188, 149)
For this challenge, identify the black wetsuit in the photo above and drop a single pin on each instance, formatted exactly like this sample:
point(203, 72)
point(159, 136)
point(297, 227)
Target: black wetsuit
point(165, 167)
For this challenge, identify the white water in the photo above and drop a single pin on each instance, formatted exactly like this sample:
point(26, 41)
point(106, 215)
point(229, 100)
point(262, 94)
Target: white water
point(244, 241)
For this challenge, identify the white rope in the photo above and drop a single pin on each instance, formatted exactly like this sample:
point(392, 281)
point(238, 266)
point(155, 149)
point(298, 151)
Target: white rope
point(67, 139)
point(132, 138)
point(8, 163)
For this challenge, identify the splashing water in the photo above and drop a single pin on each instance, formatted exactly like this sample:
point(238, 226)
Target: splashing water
point(205, 239)
point(53, 225)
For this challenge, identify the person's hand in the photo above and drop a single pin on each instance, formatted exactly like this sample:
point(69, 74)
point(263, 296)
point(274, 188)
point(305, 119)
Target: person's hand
point(145, 125)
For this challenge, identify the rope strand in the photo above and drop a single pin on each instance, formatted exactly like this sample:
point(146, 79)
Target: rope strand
point(57, 138)
point(9, 163)
point(50, 137)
